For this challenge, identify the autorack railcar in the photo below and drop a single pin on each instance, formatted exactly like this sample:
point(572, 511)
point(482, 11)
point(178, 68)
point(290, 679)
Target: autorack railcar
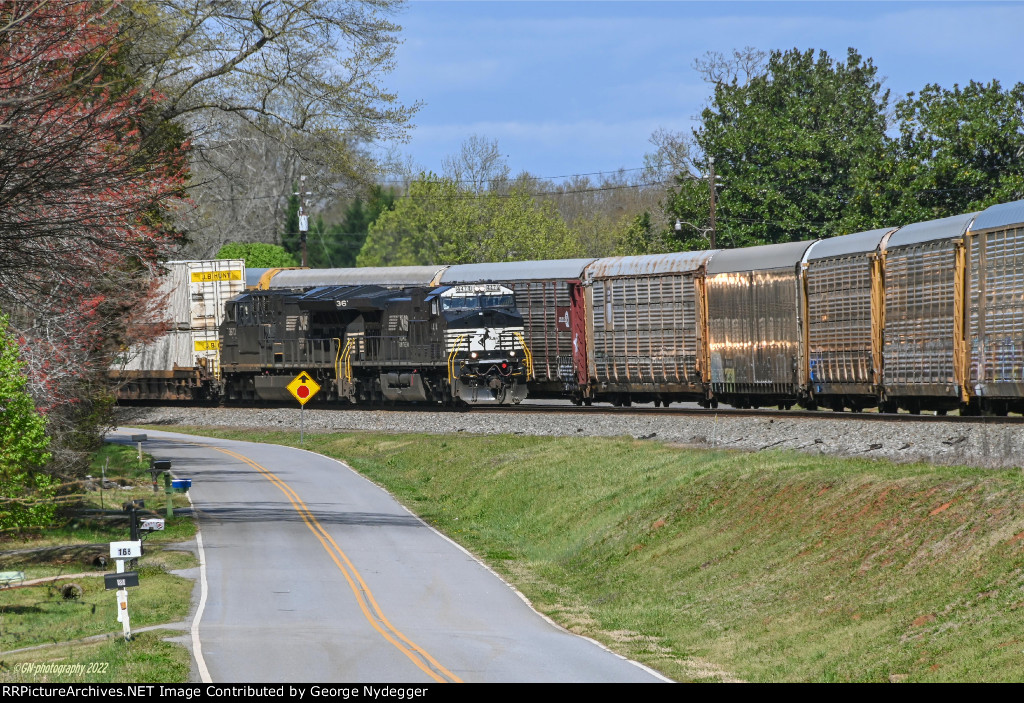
point(923, 336)
point(755, 326)
point(995, 311)
point(647, 329)
point(845, 312)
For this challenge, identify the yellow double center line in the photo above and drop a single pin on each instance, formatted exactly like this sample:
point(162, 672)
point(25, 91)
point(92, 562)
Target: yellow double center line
point(362, 592)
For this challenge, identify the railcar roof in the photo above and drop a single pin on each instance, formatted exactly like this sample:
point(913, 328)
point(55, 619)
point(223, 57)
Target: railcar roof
point(649, 264)
point(1000, 216)
point(370, 275)
point(373, 297)
point(932, 230)
point(510, 271)
point(760, 258)
point(847, 244)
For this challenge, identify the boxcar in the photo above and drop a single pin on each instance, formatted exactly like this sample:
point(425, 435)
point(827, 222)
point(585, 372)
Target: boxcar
point(755, 331)
point(646, 325)
point(924, 346)
point(845, 313)
point(549, 296)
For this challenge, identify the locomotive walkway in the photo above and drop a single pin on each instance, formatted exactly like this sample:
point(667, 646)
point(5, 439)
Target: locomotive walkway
point(314, 573)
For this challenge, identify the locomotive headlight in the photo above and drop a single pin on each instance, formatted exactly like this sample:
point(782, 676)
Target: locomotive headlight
point(473, 355)
point(512, 354)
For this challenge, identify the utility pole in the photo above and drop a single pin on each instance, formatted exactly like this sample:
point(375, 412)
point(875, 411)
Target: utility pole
point(711, 183)
point(303, 218)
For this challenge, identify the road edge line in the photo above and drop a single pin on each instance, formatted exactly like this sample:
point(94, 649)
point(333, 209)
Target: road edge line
point(197, 647)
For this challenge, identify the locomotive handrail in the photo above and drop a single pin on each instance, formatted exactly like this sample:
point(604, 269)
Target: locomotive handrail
point(451, 359)
point(337, 358)
point(344, 361)
point(529, 356)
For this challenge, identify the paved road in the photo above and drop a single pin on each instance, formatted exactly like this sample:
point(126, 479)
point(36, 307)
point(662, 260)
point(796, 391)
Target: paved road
point(315, 574)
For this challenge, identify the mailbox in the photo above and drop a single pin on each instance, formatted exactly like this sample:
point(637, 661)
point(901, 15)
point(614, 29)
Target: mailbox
point(181, 484)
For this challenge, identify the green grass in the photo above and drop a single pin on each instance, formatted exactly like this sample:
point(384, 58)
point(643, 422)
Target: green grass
point(147, 658)
point(39, 614)
point(723, 565)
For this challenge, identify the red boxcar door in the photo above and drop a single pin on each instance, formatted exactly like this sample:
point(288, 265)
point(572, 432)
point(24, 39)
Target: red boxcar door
point(578, 326)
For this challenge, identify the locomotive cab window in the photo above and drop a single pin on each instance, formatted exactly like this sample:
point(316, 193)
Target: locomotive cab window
point(477, 297)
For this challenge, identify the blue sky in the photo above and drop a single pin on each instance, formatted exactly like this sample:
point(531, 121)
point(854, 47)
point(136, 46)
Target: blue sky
point(578, 87)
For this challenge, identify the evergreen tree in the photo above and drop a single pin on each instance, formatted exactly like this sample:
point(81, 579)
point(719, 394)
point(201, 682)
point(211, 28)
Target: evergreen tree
point(794, 147)
point(25, 490)
point(257, 255)
point(958, 151)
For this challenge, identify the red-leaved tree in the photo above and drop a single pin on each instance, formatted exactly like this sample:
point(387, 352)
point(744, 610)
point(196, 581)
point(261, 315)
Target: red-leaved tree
point(88, 172)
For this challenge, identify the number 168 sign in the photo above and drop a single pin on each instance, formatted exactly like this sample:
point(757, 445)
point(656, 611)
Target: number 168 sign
point(126, 550)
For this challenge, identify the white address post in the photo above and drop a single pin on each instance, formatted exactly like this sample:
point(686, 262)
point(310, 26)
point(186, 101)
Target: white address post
point(122, 551)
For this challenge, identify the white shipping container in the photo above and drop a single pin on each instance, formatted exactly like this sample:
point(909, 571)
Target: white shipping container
point(199, 289)
point(176, 348)
point(206, 345)
point(194, 294)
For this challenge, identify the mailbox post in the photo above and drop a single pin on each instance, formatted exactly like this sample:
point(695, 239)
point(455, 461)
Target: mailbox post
point(165, 466)
point(122, 551)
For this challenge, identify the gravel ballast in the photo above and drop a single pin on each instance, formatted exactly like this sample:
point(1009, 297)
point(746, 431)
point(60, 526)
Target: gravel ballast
point(986, 445)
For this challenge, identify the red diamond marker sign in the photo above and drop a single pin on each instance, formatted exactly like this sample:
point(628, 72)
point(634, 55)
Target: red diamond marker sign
point(303, 387)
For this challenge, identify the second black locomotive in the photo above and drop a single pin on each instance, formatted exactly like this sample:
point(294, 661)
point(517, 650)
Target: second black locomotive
point(369, 344)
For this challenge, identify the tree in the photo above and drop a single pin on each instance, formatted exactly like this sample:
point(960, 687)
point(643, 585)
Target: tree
point(740, 68)
point(958, 151)
point(81, 167)
point(792, 145)
point(24, 488)
point(257, 255)
point(339, 244)
point(88, 176)
point(438, 223)
point(306, 65)
point(240, 186)
point(290, 86)
point(479, 165)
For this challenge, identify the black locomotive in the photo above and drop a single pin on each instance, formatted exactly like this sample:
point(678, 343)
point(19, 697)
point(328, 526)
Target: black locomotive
point(370, 344)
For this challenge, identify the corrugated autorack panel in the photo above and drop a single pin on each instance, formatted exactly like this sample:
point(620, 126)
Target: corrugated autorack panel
point(645, 330)
point(997, 313)
point(541, 303)
point(753, 332)
point(839, 320)
point(919, 328)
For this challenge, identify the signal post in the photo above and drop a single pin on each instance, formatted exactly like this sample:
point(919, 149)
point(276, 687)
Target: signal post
point(303, 388)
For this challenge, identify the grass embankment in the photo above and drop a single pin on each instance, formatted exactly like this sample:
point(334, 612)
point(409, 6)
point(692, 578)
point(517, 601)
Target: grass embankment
point(40, 614)
point(725, 565)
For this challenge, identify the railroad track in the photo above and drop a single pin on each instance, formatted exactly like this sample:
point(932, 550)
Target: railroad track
point(762, 412)
point(554, 407)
